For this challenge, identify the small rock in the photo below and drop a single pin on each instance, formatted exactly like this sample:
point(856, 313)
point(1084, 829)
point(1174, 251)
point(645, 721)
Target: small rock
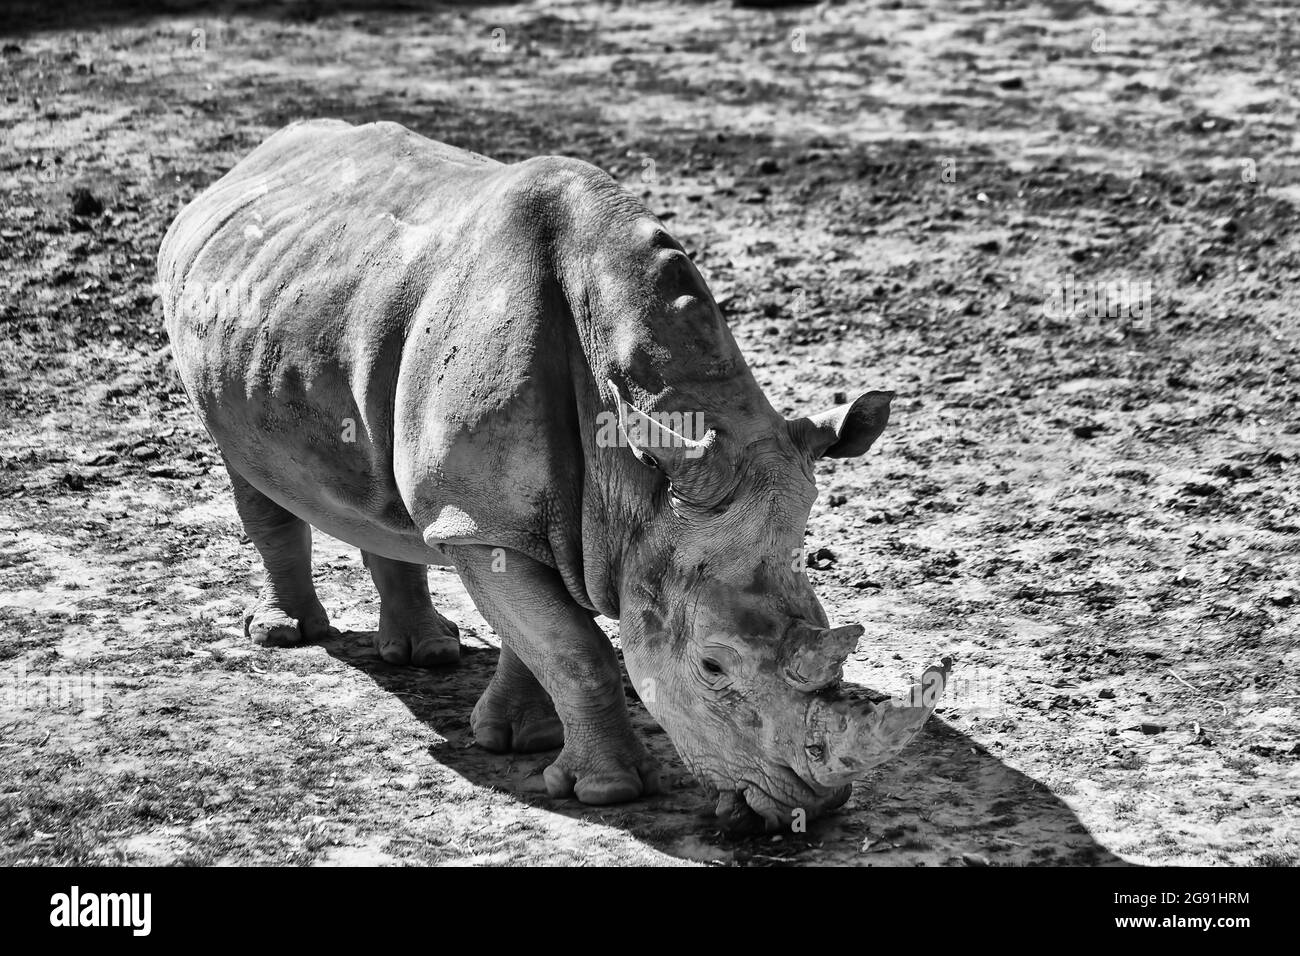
point(1106, 694)
point(974, 859)
point(1012, 83)
point(1149, 728)
point(767, 165)
point(1233, 472)
point(822, 559)
point(1087, 431)
point(84, 203)
point(1283, 596)
point(169, 471)
point(839, 398)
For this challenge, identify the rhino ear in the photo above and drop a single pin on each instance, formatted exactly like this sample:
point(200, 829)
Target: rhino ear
point(845, 431)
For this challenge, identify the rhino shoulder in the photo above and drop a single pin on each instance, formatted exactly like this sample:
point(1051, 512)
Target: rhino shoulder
point(563, 178)
point(581, 199)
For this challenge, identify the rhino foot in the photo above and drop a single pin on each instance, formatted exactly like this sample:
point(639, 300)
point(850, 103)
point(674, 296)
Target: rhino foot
point(603, 772)
point(421, 637)
point(516, 716)
point(271, 626)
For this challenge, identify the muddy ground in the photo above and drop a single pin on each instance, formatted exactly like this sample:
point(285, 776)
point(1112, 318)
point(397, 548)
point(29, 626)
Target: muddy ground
point(1097, 516)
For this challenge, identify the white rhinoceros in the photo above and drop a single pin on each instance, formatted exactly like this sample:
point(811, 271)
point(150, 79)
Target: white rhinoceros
point(446, 360)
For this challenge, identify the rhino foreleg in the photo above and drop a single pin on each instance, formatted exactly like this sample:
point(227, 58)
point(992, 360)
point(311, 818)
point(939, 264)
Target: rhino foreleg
point(530, 608)
point(410, 630)
point(287, 609)
point(515, 712)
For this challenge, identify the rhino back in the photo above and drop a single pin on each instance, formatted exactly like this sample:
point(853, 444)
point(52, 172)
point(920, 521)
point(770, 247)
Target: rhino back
point(292, 288)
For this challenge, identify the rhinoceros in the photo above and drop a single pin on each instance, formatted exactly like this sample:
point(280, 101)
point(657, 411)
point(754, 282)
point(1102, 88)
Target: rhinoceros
point(514, 370)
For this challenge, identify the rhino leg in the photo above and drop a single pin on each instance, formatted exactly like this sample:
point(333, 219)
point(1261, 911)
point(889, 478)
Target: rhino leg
point(515, 712)
point(529, 607)
point(287, 609)
point(410, 630)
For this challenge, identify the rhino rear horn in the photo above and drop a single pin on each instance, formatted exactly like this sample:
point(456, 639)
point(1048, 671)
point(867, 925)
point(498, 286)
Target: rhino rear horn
point(814, 656)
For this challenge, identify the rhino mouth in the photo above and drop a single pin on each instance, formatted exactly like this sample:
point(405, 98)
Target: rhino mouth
point(753, 807)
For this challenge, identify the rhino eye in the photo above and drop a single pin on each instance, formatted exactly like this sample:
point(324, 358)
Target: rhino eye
point(711, 670)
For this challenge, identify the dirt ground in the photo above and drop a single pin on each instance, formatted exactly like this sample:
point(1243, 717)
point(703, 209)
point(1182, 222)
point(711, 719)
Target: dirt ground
point(1097, 517)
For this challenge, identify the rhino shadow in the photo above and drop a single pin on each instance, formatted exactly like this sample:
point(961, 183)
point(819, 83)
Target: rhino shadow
point(945, 801)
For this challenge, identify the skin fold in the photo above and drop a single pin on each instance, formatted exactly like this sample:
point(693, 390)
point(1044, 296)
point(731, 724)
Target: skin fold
point(421, 351)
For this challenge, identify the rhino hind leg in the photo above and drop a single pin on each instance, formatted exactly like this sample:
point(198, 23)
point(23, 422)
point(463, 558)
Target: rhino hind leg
point(515, 712)
point(410, 630)
point(528, 605)
point(287, 610)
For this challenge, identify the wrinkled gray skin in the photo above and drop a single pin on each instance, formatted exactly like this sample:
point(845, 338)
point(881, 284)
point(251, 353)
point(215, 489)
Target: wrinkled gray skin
point(410, 347)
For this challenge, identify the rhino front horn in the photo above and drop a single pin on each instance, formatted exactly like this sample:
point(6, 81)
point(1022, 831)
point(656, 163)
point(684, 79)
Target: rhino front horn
point(847, 739)
point(814, 656)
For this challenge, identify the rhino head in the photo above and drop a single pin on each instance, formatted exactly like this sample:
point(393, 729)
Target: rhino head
point(723, 637)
